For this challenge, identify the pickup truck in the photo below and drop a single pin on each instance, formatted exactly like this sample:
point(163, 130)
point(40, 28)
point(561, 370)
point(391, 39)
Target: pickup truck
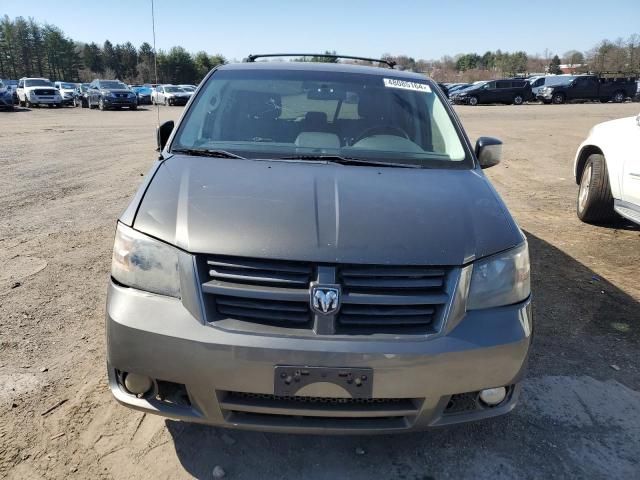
point(590, 87)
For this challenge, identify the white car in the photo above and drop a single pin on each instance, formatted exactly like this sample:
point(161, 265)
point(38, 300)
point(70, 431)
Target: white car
point(170, 95)
point(67, 91)
point(607, 168)
point(543, 81)
point(38, 91)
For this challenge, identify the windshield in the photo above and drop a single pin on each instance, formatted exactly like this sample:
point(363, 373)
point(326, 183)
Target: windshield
point(284, 113)
point(67, 86)
point(172, 89)
point(112, 84)
point(37, 82)
point(188, 89)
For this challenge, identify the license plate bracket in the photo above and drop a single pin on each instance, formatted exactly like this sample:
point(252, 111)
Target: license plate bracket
point(289, 379)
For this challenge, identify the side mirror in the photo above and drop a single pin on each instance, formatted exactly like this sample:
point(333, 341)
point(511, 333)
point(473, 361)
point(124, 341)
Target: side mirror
point(163, 133)
point(488, 151)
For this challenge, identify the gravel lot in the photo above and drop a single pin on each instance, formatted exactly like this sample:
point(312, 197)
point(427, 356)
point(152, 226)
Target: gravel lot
point(65, 176)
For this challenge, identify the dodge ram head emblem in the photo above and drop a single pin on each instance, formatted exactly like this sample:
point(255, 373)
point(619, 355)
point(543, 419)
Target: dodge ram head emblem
point(325, 300)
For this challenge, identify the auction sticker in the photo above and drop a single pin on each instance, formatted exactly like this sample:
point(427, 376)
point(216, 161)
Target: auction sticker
point(405, 85)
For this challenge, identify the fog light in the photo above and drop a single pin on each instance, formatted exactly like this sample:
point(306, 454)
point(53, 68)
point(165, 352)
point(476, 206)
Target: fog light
point(137, 384)
point(493, 396)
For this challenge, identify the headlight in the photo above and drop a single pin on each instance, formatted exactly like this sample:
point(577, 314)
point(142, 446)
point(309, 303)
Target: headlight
point(141, 262)
point(501, 279)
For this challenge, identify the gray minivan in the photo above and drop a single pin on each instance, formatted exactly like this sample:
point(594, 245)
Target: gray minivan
point(317, 249)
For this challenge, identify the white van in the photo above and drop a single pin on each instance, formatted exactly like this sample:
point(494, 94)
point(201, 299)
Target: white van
point(537, 83)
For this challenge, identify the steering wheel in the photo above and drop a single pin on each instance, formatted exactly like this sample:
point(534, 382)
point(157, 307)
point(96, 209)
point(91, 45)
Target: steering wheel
point(381, 130)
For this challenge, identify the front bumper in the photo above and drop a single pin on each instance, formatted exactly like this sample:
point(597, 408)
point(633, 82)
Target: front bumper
point(177, 101)
point(45, 100)
point(120, 102)
point(157, 336)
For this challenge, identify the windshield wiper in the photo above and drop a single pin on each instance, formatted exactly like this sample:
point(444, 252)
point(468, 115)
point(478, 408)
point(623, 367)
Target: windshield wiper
point(204, 152)
point(349, 161)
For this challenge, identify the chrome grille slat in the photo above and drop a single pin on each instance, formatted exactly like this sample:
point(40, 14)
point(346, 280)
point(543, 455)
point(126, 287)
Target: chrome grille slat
point(278, 306)
point(391, 310)
point(393, 282)
point(261, 277)
point(264, 315)
point(260, 265)
point(387, 320)
point(391, 272)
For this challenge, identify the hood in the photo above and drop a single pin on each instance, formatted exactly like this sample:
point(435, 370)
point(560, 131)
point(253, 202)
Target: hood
point(329, 213)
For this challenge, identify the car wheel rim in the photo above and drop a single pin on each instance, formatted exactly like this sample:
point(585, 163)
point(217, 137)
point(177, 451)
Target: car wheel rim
point(618, 97)
point(518, 100)
point(473, 101)
point(584, 188)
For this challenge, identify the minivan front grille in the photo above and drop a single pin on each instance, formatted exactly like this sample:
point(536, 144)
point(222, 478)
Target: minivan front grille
point(375, 299)
point(390, 299)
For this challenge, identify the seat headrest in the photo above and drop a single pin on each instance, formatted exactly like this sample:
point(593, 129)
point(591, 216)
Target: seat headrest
point(315, 118)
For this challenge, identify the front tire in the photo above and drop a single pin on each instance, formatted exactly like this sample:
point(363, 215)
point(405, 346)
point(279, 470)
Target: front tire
point(473, 101)
point(101, 105)
point(619, 97)
point(558, 98)
point(518, 100)
point(595, 202)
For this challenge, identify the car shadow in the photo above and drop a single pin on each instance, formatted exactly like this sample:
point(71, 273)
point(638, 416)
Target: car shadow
point(583, 325)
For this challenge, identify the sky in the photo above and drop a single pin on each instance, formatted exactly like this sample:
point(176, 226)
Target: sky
point(421, 29)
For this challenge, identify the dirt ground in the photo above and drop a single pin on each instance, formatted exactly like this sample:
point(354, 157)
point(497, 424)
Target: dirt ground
point(65, 176)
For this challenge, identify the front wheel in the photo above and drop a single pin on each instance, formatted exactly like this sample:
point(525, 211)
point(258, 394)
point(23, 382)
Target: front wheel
point(133, 107)
point(518, 100)
point(619, 97)
point(473, 101)
point(557, 98)
point(101, 105)
point(595, 202)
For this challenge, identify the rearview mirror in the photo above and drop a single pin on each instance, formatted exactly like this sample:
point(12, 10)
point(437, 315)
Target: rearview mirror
point(488, 151)
point(163, 133)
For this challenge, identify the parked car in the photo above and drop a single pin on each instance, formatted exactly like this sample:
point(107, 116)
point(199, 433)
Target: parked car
point(6, 97)
point(289, 265)
point(591, 87)
point(170, 95)
point(38, 91)
point(188, 88)
point(513, 91)
point(143, 93)
point(81, 95)
point(539, 82)
point(457, 87)
point(607, 169)
point(67, 92)
point(11, 86)
point(108, 94)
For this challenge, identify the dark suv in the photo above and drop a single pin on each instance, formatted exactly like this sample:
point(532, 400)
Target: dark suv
point(510, 91)
point(317, 249)
point(108, 94)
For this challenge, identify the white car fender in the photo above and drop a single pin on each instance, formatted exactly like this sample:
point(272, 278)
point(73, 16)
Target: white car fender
point(608, 138)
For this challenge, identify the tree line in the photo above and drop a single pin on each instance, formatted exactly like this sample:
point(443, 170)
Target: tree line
point(28, 48)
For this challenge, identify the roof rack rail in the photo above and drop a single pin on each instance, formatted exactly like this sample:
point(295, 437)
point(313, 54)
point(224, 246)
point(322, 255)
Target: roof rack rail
point(252, 58)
